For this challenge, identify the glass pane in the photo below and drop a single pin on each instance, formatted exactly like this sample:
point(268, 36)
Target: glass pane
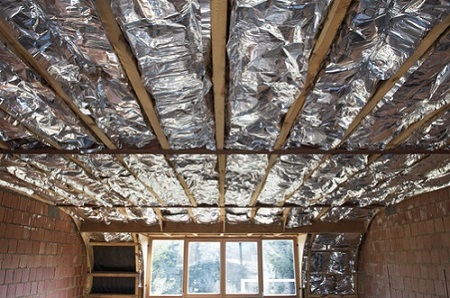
point(167, 267)
point(278, 267)
point(242, 268)
point(204, 268)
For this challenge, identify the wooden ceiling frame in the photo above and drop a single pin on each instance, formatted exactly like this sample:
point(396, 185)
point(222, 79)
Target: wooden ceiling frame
point(332, 23)
point(86, 120)
point(177, 228)
point(129, 64)
point(219, 23)
point(427, 43)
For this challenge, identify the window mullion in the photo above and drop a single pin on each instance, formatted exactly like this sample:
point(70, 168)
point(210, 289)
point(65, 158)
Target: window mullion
point(260, 269)
point(185, 266)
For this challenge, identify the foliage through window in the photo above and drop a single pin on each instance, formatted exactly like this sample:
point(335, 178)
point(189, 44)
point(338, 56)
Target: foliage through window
point(222, 267)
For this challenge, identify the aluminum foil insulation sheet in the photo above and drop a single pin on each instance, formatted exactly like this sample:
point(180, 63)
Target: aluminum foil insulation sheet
point(332, 263)
point(286, 176)
point(199, 172)
point(24, 99)
point(243, 174)
point(166, 38)
point(154, 171)
point(57, 190)
point(330, 174)
point(176, 214)
point(119, 179)
point(377, 39)
point(13, 183)
point(145, 216)
point(67, 39)
point(393, 178)
point(111, 237)
point(206, 215)
point(421, 93)
point(238, 215)
point(269, 216)
point(268, 50)
point(15, 136)
point(299, 217)
point(349, 214)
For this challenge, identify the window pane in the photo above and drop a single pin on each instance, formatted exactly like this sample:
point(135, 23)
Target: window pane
point(242, 268)
point(204, 267)
point(278, 267)
point(167, 267)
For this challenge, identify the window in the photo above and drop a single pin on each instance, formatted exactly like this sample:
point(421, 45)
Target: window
point(225, 267)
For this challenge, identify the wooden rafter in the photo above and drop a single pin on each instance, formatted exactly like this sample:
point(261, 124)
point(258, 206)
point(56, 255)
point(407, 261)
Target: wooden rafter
point(219, 20)
point(128, 62)
point(321, 48)
point(428, 42)
point(218, 228)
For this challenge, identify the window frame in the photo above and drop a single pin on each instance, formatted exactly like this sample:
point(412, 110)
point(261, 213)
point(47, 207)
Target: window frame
point(223, 241)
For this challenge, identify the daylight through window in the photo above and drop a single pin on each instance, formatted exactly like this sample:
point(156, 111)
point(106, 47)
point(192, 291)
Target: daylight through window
point(223, 267)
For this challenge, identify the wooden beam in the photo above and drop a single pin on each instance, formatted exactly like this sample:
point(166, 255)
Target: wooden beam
point(321, 48)
point(221, 228)
point(128, 62)
point(219, 21)
point(4, 145)
point(427, 42)
point(225, 152)
point(22, 53)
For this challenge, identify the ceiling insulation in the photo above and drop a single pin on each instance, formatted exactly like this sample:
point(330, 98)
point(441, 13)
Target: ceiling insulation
point(381, 84)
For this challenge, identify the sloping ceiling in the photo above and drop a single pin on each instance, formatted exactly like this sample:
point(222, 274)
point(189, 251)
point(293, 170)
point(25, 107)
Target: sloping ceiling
point(247, 116)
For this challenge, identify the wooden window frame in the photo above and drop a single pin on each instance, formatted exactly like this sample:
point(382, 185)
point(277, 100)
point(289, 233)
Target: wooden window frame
point(223, 241)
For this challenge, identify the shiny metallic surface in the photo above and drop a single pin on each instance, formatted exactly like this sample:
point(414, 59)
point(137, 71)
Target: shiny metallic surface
point(199, 172)
point(155, 171)
point(118, 179)
point(167, 41)
point(418, 94)
point(299, 217)
point(238, 215)
point(286, 176)
point(349, 214)
point(269, 216)
point(111, 237)
point(243, 173)
point(332, 263)
point(68, 40)
point(206, 215)
point(268, 50)
point(176, 214)
point(378, 37)
point(334, 171)
point(26, 100)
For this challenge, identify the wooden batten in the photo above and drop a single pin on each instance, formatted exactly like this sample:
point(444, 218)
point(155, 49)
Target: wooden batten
point(220, 228)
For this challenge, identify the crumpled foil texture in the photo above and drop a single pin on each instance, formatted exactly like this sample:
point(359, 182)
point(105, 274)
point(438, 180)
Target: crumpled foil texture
point(268, 49)
point(111, 237)
point(199, 172)
point(166, 38)
point(286, 176)
point(155, 172)
point(68, 40)
point(331, 173)
point(119, 179)
point(269, 216)
point(24, 99)
point(299, 217)
point(423, 92)
point(332, 263)
point(378, 37)
point(243, 174)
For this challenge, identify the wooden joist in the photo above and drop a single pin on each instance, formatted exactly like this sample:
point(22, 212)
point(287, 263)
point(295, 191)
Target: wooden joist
point(321, 48)
point(219, 228)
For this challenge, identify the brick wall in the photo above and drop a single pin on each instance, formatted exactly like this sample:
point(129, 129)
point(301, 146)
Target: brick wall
point(406, 251)
point(41, 251)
